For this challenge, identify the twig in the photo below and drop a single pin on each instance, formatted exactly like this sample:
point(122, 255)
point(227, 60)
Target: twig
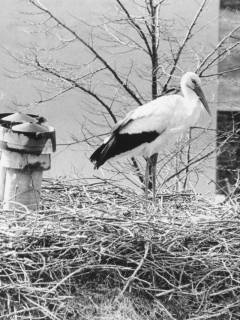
point(132, 277)
point(183, 44)
point(38, 5)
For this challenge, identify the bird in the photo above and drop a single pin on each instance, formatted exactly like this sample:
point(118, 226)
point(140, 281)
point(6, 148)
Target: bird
point(145, 130)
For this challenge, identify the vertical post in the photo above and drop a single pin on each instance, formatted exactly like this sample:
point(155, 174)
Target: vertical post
point(25, 154)
point(154, 11)
point(2, 180)
point(22, 187)
point(23, 179)
point(228, 159)
point(228, 118)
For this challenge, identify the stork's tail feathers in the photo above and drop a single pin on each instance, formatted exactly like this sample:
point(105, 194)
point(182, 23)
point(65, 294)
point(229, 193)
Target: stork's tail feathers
point(118, 144)
point(101, 155)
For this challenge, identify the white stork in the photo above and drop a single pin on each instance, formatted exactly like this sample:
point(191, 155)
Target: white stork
point(145, 130)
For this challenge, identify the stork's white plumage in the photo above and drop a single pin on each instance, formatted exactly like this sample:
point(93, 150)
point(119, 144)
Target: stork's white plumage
point(144, 130)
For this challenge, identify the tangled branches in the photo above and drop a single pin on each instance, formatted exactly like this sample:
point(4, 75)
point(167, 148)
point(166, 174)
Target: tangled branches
point(181, 256)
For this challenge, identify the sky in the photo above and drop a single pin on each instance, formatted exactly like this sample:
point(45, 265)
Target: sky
point(68, 113)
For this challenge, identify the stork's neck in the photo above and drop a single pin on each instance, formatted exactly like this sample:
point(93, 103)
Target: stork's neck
point(189, 94)
point(192, 105)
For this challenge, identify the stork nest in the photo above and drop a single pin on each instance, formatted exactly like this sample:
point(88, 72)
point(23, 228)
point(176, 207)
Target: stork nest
point(179, 259)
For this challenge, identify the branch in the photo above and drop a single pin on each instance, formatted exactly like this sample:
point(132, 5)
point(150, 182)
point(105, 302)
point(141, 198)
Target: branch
point(116, 38)
point(221, 73)
point(182, 46)
point(76, 141)
point(227, 50)
point(217, 47)
point(136, 26)
point(139, 266)
point(53, 96)
point(76, 85)
point(189, 164)
point(98, 56)
point(196, 160)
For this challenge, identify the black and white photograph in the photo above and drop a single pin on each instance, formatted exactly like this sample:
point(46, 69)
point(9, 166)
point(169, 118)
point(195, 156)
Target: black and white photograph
point(120, 160)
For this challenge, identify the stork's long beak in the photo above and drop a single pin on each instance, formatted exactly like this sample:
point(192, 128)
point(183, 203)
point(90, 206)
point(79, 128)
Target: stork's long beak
point(202, 98)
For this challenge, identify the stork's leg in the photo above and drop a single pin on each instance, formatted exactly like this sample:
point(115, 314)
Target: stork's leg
point(154, 181)
point(153, 174)
point(147, 178)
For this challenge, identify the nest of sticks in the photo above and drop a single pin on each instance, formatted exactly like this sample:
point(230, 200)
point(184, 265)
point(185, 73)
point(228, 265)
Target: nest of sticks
point(87, 242)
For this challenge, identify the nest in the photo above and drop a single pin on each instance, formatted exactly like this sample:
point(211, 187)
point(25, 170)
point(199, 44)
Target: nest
point(95, 242)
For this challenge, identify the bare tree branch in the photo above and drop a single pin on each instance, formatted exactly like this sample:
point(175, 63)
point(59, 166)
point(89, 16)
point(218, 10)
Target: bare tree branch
point(76, 85)
point(98, 56)
point(217, 58)
point(183, 44)
point(216, 48)
point(136, 26)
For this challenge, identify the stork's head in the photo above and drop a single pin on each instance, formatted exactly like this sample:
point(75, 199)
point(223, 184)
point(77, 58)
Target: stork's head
point(191, 80)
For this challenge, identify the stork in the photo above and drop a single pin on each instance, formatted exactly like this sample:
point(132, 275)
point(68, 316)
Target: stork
point(144, 130)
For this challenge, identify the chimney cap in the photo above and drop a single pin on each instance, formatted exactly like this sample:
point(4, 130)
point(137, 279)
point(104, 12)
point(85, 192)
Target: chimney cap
point(19, 117)
point(30, 127)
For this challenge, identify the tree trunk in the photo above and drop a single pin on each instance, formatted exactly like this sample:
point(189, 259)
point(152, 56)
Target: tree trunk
point(155, 39)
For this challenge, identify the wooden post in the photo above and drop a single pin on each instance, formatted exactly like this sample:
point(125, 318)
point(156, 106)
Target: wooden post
point(22, 188)
point(23, 179)
point(25, 150)
point(2, 180)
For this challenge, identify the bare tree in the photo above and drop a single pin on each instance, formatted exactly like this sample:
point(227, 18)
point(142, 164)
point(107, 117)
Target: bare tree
point(137, 30)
